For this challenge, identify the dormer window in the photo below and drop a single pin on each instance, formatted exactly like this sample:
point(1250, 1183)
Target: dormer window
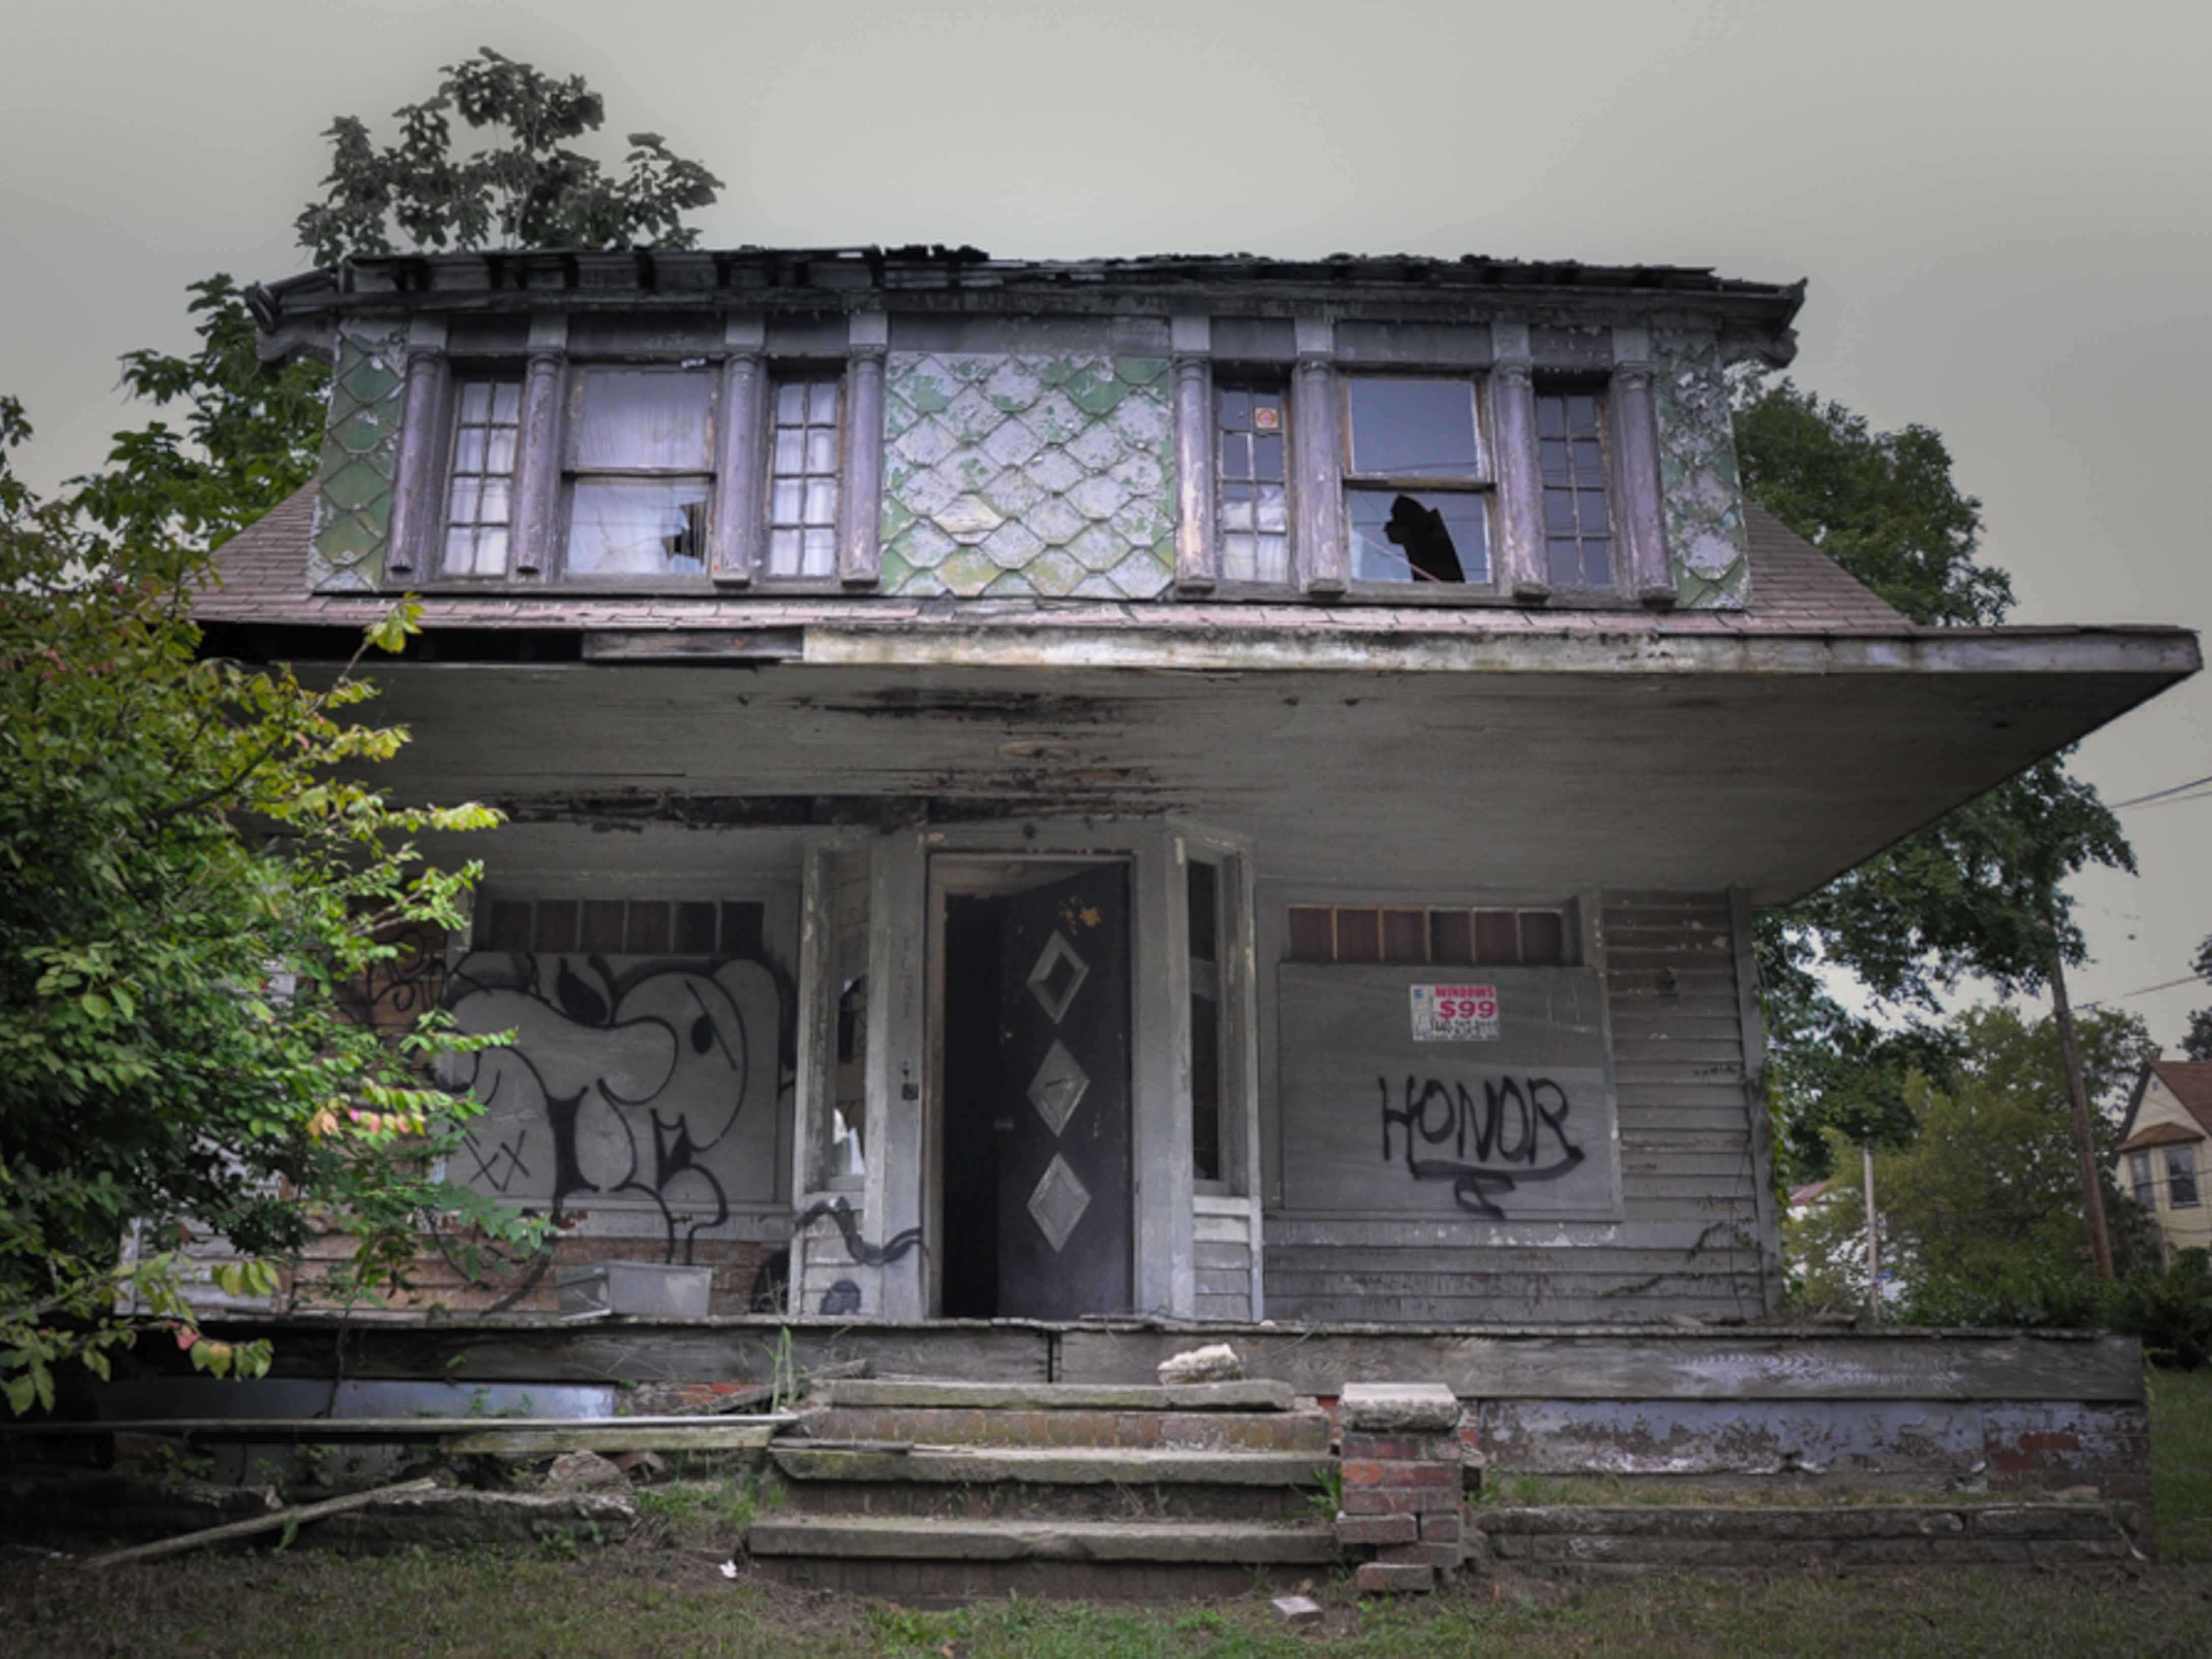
point(1252, 513)
point(480, 486)
point(1571, 460)
point(640, 473)
point(803, 451)
point(1417, 482)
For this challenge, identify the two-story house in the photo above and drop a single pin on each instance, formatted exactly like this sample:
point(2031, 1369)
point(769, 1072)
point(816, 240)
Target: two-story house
point(1213, 786)
point(2160, 1157)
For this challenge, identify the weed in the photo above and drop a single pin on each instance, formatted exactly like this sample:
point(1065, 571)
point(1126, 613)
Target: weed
point(1328, 1498)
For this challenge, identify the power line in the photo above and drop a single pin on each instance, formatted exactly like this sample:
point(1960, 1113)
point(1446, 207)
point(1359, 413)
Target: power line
point(2160, 794)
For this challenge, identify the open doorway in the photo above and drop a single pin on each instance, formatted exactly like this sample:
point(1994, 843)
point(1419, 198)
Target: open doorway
point(1033, 1042)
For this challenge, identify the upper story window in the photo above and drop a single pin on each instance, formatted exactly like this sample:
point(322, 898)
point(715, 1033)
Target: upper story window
point(803, 451)
point(640, 473)
point(2139, 1179)
point(1417, 482)
point(1252, 513)
point(2180, 1177)
point(480, 484)
point(1570, 453)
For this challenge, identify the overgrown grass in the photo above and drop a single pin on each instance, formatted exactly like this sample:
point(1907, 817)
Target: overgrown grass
point(2181, 1463)
point(664, 1593)
point(648, 1601)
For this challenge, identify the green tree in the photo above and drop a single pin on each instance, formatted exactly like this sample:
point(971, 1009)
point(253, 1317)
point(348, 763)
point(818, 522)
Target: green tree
point(195, 879)
point(251, 432)
point(1987, 1194)
point(2197, 1044)
point(1982, 891)
point(193, 883)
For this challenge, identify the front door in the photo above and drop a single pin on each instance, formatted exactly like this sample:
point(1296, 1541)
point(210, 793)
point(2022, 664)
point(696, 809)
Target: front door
point(1066, 1217)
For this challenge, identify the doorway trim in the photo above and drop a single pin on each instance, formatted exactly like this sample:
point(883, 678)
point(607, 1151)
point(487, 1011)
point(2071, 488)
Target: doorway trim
point(1163, 1267)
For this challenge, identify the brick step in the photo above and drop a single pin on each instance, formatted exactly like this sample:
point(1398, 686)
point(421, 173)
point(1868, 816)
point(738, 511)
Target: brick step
point(1255, 1394)
point(1100, 1483)
point(897, 1538)
point(1304, 1431)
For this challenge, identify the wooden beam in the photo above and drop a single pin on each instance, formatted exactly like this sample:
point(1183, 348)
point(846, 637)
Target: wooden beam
point(259, 1523)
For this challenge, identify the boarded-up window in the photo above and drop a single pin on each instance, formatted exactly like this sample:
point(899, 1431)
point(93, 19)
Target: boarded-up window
point(1484, 938)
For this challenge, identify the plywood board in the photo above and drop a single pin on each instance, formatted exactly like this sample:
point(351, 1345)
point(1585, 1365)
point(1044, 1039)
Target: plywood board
point(1377, 1122)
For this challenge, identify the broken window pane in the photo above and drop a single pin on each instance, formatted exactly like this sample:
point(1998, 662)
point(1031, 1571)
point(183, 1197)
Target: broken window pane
point(638, 527)
point(1429, 536)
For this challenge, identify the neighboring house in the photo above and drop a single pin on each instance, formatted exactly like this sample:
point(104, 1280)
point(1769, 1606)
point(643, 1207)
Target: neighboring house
point(1214, 788)
point(2161, 1155)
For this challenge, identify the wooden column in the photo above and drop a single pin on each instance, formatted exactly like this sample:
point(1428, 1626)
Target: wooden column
point(1198, 562)
point(1521, 569)
point(530, 549)
point(1324, 557)
point(859, 497)
point(740, 468)
point(416, 519)
point(1636, 472)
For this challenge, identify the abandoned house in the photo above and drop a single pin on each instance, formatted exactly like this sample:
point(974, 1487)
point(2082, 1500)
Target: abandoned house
point(1215, 788)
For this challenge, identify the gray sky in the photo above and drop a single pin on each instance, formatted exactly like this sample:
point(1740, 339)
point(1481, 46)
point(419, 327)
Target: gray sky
point(2006, 213)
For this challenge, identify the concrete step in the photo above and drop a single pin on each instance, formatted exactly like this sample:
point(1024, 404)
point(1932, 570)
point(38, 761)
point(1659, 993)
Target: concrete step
point(1256, 1395)
point(1097, 1483)
point(1302, 1432)
point(1207, 1543)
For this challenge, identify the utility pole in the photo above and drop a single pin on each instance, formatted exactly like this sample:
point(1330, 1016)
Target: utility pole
point(2085, 1143)
point(1873, 1239)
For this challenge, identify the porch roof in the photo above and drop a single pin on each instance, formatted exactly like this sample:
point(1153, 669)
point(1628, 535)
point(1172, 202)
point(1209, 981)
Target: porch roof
point(1767, 749)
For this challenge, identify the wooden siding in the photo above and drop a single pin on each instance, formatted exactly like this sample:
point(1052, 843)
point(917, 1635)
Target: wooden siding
point(1223, 1232)
point(1696, 1235)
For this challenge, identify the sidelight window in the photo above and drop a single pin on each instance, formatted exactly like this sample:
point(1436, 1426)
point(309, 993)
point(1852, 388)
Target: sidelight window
point(1570, 451)
point(1253, 513)
point(480, 481)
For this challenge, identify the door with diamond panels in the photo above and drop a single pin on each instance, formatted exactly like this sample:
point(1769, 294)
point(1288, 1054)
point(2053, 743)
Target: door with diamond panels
point(1066, 1216)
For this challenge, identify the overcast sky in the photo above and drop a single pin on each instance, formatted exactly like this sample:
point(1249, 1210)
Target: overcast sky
point(2005, 213)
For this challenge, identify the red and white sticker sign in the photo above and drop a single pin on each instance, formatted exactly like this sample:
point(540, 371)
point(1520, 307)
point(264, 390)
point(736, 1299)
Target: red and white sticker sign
point(1455, 1013)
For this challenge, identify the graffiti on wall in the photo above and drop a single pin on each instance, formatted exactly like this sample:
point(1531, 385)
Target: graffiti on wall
point(1502, 1134)
point(630, 1080)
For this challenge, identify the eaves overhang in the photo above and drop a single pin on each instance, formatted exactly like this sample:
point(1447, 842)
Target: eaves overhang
point(1548, 759)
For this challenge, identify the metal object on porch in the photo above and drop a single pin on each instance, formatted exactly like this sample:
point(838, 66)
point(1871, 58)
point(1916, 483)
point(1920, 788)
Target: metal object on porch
point(645, 1290)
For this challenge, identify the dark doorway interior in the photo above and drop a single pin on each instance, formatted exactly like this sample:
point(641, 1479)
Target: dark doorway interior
point(971, 1101)
point(1038, 1211)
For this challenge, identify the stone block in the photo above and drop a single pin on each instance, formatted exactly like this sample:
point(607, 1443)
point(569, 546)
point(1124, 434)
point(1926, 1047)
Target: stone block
point(1443, 1557)
point(1398, 1408)
point(1378, 1528)
point(1394, 1578)
point(1442, 1530)
point(1299, 1609)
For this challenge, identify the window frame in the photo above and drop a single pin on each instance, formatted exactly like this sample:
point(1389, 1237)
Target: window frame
point(2142, 1184)
point(1483, 485)
point(1276, 384)
point(777, 373)
point(2181, 1171)
point(570, 474)
point(1598, 385)
point(460, 375)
